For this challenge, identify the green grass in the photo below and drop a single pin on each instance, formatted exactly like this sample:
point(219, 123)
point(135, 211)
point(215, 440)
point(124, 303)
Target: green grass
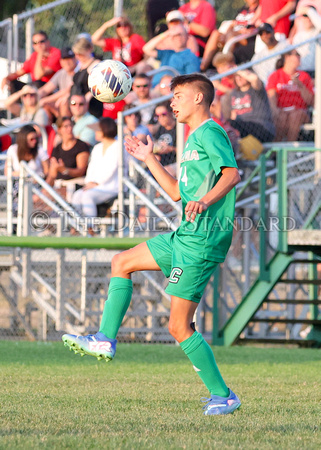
point(148, 397)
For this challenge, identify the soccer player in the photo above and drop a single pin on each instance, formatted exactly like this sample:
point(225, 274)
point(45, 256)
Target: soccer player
point(189, 255)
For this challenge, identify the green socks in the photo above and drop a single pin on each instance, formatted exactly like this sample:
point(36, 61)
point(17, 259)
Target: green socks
point(201, 356)
point(119, 297)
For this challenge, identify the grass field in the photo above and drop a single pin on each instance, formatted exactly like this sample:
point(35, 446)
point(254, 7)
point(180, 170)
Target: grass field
point(148, 397)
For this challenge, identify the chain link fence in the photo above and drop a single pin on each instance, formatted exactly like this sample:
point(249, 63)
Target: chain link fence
point(49, 292)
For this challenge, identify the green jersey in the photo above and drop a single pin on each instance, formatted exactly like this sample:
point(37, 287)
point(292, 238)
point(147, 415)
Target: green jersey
point(207, 150)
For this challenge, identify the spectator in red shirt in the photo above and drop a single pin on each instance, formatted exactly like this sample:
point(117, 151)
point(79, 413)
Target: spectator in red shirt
point(42, 64)
point(112, 109)
point(290, 92)
point(201, 20)
point(127, 47)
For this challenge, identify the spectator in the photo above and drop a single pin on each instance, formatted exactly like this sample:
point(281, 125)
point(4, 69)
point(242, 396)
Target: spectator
point(83, 50)
point(156, 10)
point(27, 149)
point(41, 65)
point(133, 126)
point(101, 181)
point(174, 18)
point(165, 136)
point(180, 58)
point(250, 109)
point(112, 109)
point(82, 118)
point(201, 20)
point(311, 26)
point(290, 92)
point(299, 20)
point(165, 85)
point(54, 94)
point(276, 13)
point(140, 95)
point(127, 47)
point(265, 68)
point(29, 109)
point(222, 62)
point(229, 29)
point(69, 159)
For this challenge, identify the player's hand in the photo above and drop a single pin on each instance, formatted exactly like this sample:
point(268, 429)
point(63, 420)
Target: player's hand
point(193, 208)
point(137, 148)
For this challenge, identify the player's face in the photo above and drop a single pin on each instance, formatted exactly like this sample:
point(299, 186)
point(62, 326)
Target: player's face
point(183, 103)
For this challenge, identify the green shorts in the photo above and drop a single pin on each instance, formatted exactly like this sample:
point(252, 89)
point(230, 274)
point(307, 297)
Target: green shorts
point(188, 273)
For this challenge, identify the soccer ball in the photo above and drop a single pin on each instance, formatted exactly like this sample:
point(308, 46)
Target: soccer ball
point(110, 81)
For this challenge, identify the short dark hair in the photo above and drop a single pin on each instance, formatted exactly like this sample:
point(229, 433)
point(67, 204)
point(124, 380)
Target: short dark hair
point(142, 75)
point(43, 33)
point(202, 83)
point(166, 104)
point(108, 127)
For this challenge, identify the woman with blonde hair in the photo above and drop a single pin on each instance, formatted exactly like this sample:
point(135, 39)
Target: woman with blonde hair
point(83, 50)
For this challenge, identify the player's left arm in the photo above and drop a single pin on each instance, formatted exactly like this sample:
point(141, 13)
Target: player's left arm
point(230, 177)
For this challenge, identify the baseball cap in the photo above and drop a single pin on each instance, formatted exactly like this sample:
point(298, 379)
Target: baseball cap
point(66, 52)
point(174, 15)
point(265, 27)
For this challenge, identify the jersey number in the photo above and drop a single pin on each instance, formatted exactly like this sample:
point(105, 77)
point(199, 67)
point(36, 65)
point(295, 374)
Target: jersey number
point(183, 178)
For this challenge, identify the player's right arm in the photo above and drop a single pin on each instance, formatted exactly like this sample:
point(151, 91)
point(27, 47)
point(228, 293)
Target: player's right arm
point(144, 152)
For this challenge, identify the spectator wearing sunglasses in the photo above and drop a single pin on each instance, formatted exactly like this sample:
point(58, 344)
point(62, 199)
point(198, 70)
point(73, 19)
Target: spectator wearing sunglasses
point(165, 136)
point(126, 47)
point(29, 108)
point(42, 64)
point(27, 149)
point(141, 94)
point(82, 118)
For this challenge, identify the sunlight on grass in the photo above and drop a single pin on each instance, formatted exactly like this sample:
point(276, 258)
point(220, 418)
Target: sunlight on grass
point(148, 397)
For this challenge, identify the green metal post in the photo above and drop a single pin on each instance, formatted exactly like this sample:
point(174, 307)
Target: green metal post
point(264, 274)
point(282, 201)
